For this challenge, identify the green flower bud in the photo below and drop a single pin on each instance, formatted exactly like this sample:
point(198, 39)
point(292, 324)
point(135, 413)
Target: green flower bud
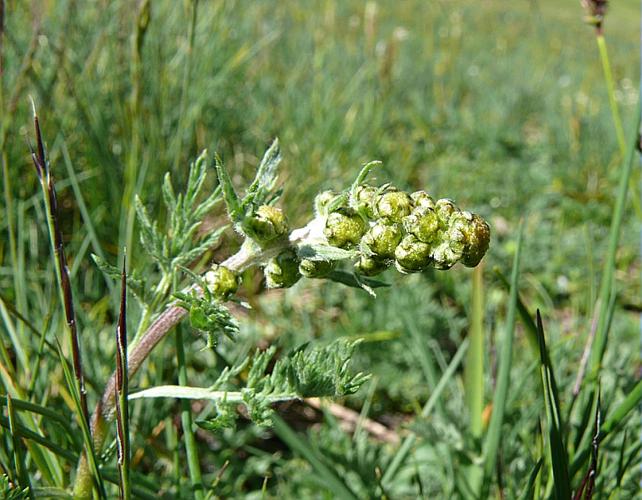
point(268, 223)
point(316, 268)
point(447, 254)
point(344, 228)
point(282, 271)
point(322, 200)
point(369, 266)
point(477, 239)
point(424, 223)
point(221, 282)
point(381, 240)
point(422, 199)
point(394, 205)
point(412, 255)
point(364, 200)
point(445, 208)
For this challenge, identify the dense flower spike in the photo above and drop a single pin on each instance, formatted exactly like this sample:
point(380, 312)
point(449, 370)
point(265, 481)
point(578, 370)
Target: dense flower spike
point(222, 282)
point(283, 270)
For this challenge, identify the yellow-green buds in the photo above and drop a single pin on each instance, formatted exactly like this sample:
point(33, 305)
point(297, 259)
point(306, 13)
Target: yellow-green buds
point(315, 268)
point(364, 200)
point(322, 200)
point(222, 282)
point(381, 240)
point(477, 239)
point(424, 223)
point(268, 224)
point(369, 266)
point(445, 208)
point(422, 199)
point(412, 255)
point(282, 271)
point(344, 228)
point(394, 205)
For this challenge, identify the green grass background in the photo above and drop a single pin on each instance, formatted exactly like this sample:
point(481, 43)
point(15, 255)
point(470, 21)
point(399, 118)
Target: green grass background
point(501, 106)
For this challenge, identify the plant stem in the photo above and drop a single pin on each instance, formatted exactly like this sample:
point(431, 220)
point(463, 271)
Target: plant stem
point(156, 332)
point(607, 283)
point(191, 448)
point(610, 85)
point(185, 85)
point(474, 369)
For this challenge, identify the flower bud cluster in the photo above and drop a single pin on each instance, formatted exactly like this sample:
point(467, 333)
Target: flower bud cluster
point(413, 231)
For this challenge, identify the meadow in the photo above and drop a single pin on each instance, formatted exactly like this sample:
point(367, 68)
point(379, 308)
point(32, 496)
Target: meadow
point(505, 107)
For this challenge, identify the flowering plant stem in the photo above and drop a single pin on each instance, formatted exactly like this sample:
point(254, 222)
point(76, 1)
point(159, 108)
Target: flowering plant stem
point(246, 257)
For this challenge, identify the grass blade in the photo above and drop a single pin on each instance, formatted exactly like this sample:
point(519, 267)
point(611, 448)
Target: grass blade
point(88, 451)
point(585, 491)
point(121, 388)
point(18, 455)
point(559, 457)
point(333, 482)
point(493, 437)
point(529, 490)
point(41, 163)
point(407, 444)
point(191, 448)
point(474, 367)
point(607, 282)
point(611, 424)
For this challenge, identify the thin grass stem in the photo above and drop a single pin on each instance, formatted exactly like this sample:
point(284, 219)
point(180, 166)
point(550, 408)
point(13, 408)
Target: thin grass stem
point(191, 447)
point(122, 393)
point(474, 366)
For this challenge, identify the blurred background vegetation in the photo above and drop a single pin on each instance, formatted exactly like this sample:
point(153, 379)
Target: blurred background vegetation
point(501, 106)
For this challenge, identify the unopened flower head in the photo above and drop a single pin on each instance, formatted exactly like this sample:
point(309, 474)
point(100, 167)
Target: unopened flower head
point(344, 228)
point(412, 255)
point(364, 200)
point(322, 200)
point(282, 271)
point(268, 224)
point(370, 266)
point(394, 205)
point(222, 282)
point(381, 240)
point(316, 268)
point(421, 199)
point(477, 239)
point(445, 209)
point(424, 223)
